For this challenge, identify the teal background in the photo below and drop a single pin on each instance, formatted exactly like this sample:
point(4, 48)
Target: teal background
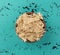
point(11, 44)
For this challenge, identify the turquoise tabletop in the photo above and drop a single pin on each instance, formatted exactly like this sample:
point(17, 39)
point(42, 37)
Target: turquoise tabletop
point(11, 44)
